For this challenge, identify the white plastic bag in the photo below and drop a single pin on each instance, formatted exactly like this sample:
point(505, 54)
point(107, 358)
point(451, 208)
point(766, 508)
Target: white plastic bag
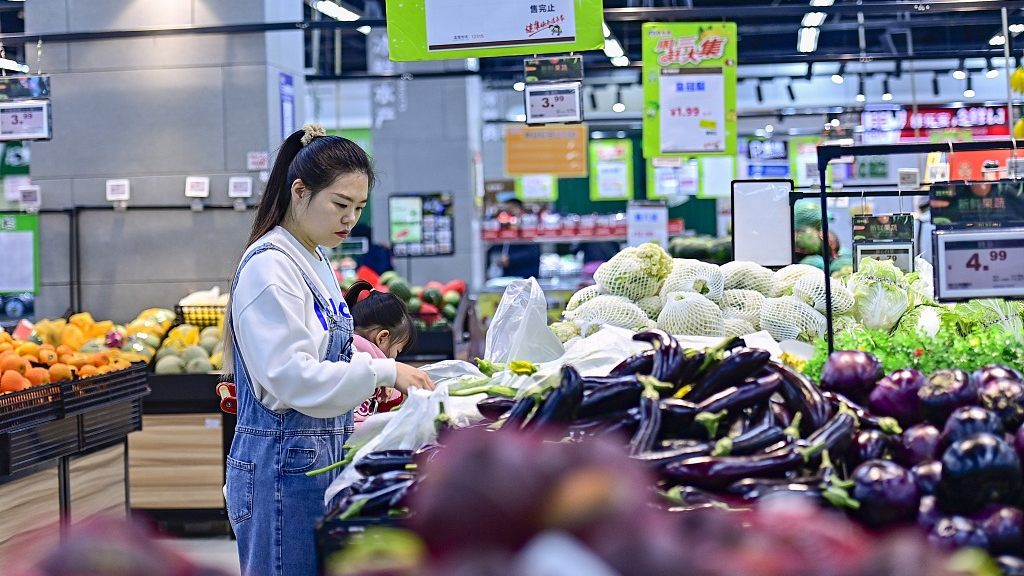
point(519, 328)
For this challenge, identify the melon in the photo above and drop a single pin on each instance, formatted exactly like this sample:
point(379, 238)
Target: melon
point(432, 295)
point(193, 352)
point(414, 305)
point(401, 289)
point(198, 365)
point(452, 297)
point(170, 365)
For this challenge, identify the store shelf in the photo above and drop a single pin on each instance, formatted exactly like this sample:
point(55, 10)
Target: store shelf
point(183, 393)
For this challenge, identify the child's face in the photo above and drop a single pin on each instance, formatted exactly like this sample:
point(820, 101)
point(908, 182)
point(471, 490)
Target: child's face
point(389, 344)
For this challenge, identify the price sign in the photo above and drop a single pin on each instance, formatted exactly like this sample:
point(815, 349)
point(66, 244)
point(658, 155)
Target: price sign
point(197, 187)
point(979, 263)
point(25, 120)
point(29, 198)
point(239, 187)
point(901, 254)
point(553, 103)
point(118, 190)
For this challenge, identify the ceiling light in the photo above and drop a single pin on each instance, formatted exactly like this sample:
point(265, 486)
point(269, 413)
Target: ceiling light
point(769, 128)
point(519, 86)
point(834, 122)
point(612, 48)
point(997, 40)
point(620, 61)
point(992, 71)
point(813, 19)
point(607, 31)
point(618, 107)
point(1016, 28)
point(969, 92)
point(8, 64)
point(791, 92)
point(822, 2)
point(959, 73)
point(334, 11)
point(886, 93)
point(364, 30)
point(807, 40)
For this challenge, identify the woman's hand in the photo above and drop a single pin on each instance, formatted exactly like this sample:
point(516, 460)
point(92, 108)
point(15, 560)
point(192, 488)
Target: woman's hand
point(408, 377)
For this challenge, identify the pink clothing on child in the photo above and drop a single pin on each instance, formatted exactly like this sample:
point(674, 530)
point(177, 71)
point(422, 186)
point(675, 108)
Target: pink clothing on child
point(382, 397)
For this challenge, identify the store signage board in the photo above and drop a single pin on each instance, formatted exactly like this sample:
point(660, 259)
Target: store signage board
point(240, 187)
point(24, 87)
point(977, 204)
point(901, 254)
point(887, 227)
point(19, 243)
point(767, 150)
point(557, 150)
point(762, 221)
point(646, 222)
point(689, 79)
point(25, 120)
point(197, 187)
point(611, 169)
point(448, 29)
point(979, 263)
point(421, 224)
point(551, 103)
point(558, 69)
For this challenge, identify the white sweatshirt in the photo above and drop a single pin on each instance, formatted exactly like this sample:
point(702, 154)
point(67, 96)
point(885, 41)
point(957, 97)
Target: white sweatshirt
point(283, 339)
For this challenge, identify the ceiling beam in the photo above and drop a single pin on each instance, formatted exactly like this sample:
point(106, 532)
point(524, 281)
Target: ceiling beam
point(878, 8)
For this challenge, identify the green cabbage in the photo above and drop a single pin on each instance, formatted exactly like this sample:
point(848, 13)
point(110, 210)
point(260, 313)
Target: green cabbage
point(880, 294)
point(983, 314)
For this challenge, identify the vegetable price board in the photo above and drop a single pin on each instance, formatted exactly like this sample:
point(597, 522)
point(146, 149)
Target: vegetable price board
point(979, 263)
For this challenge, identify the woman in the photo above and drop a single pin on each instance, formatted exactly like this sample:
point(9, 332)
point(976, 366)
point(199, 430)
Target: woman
point(296, 376)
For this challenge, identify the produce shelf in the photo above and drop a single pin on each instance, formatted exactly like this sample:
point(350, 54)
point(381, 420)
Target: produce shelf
point(24, 448)
point(108, 425)
point(97, 391)
point(30, 407)
point(182, 393)
point(200, 316)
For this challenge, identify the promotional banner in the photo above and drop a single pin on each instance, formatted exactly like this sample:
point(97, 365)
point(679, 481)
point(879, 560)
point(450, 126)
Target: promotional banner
point(689, 76)
point(611, 170)
point(445, 29)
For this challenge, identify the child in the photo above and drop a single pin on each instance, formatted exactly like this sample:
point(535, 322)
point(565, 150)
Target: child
point(383, 329)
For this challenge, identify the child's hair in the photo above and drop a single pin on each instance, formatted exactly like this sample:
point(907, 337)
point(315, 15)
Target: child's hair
point(380, 311)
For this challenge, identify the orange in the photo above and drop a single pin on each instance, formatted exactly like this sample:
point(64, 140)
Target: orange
point(12, 381)
point(6, 346)
point(31, 359)
point(6, 353)
point(105, 369)
point(98, 359)
point(5, 336)
point(87, 370)
point(14, 362)
point(37, 376)
point(76, 360)
point(48, 357)
point(64, 349)
point(120, 364)
point(61, 371)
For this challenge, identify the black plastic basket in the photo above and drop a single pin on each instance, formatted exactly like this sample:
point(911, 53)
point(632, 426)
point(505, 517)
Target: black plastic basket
point(200, 316)
point(37, 444)
point(29, 407)
point(97, 391)
point(108, 425)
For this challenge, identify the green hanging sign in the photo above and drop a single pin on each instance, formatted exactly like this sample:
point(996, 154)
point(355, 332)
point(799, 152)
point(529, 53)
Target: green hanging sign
point(611, 170)
point(689, 77)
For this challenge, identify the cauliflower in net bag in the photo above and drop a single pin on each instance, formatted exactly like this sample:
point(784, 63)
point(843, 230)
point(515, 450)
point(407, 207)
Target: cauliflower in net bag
point(811, 289)
point(564, 330)
point(581, 296)
point(788, 275)
point(743, 305)
point(608, 309)
point(749, 276)
point(691, 314)
point(700, 277)
point(634, 272)
point(651, 305)
point(788, 318)
point(737, 327)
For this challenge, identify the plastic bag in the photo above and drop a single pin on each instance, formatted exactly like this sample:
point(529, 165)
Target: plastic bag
point(456, 374)
point(519, 328)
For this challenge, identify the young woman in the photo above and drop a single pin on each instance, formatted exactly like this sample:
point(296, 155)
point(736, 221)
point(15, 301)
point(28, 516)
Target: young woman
point(290, 334)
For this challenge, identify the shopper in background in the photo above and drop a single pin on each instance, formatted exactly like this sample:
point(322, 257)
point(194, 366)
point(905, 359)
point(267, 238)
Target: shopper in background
point(377, 257)
point(383, 329)
point(519, 260)
point(290, 338)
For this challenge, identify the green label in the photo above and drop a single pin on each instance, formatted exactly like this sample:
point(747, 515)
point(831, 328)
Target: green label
point(872, 227)
point(611, 170)
point(19, 243)
point(560, 69)
point(537, 188)
point(977, 204)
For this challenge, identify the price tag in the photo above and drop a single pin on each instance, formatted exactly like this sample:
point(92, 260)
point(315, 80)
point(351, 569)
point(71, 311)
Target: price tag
point(899, 253)
point(909, 178)
point(197, 187)
point(29, 198)
point(239, 187)
point(553, 103)
point(25, 120)
point(938, 172)
point(979, 263)
point(118, 190)
point(647, 222)
point(257, 161)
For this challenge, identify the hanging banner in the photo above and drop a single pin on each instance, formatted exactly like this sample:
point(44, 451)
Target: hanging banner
point(19, 243)
point(611, 170)
point(673, 176)
point(445, 29)
point(537, 188)
point(689, 75)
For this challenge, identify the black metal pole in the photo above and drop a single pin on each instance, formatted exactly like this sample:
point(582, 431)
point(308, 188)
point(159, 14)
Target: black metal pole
point(826, 251)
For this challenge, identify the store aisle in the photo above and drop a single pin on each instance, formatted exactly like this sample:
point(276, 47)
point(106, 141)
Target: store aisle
point(221, 552)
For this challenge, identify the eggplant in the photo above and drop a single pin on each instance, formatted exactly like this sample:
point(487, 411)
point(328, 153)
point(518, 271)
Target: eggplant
point(802, 396)
point(783, 417)
point(979, 470)
point(384, 461)
point(750, 441)
point(520, 411)
point(561, 405)
point(735, 368)
point(927, 476)
point(676, 416)
point(377, 482)
point(621, 423)
point(1010, 565)
point(929, 513)
point(670, 358)
point(968, 421)
point(813, 494)
point(1004, 397)
point(886, 493)
point(896, 396)
point(649, 424)
point(851, 373)
point(957, 532)
point(743, 396)
point(611, 398)
point(1004, 528)
point(637, 364)
point(660, 458)
point(591, 383)
point(688, 498)
point(718, 472)
point(834, 437)
point(869, 445)
point(945, 391)
point(991, 372)
point(918, 444)
point(866, 418)
point(495, 407)
point(1018, 442)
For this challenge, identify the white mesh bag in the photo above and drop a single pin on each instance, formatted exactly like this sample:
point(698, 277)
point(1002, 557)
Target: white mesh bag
point(634, 272)
point(742, 305)
point(788, 275)
point(749, 276)
point(582, 295)
point(700, 277)
point(680, 263)
point(737, 327)
point(691, 314)
point(651, 305)
point(564, 330)
point(788, 318)
point(613, 310)
point(811, 289)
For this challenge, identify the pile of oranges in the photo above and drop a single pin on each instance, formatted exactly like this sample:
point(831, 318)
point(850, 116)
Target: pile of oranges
point(26, 364)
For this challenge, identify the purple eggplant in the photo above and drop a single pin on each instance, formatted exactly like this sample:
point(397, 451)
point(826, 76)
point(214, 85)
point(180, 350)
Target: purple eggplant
point(968, 421)
point(852, 373)
point(886, 492)
point(957, 532)
point(945, 391)
point(866, 419)
point(996, 372)
point(896, 396)
point(1003, 526)
point(1018, 442)
point(1010, 565)
point(1004, 397)
point(869, 445)
point(978, 471)
point(927, 476)
point(718, 472)
point(929, 513)
point(918, 444)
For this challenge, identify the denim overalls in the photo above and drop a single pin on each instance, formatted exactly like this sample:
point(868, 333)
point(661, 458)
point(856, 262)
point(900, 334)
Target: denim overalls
point(272, 505)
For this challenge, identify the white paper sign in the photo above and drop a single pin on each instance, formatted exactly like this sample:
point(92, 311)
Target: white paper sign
point(647, 222)
point(538, 187)
point(14, 183)
point(461, 24)
point(197, 187)
point(257, 161)
point(612, 179)
point(692, 111)
point(118, 190)
point(239, 187)
point(18, 272)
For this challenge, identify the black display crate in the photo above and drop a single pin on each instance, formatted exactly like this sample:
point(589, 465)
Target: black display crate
point(30, 407)
point(108, 425)
point(22, 449)
point(97, 391)
point(200, 316)
point(183, 393)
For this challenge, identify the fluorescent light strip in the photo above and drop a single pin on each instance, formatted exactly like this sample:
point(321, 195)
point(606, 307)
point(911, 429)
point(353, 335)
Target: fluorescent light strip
point(607, 31)
point(807, 40)
point(620, 61)
point(813, 19)
point(612, 48)
point(335, 11)
point(997, 40)
point(8, 64)
point(822, 2)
